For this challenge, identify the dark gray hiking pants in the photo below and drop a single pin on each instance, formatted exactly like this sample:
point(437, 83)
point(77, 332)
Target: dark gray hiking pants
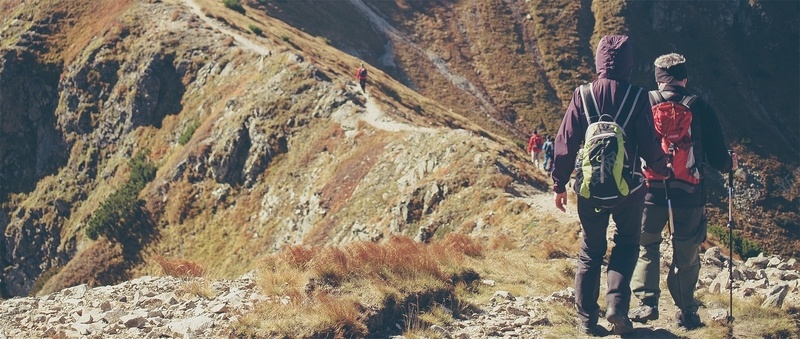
point(689, 234)
point(594, 222)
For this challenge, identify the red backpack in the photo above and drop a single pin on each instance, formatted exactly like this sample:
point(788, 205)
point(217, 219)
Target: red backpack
point(673, 123)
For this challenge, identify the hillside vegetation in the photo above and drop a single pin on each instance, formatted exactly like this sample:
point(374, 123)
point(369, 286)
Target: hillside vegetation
point(511, 67)
point(260, 139)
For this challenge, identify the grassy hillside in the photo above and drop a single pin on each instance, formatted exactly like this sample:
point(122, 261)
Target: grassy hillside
point(511, 66)
point(254, 141)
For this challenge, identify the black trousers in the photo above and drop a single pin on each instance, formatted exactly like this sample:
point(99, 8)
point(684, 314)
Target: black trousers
point(594, 222)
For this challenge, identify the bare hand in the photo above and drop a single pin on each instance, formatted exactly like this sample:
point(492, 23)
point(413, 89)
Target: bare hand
point(561, 201)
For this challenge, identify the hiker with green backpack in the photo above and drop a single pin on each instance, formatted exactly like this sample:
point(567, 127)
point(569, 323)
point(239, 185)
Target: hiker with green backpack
point(607, 127)
point(691, 135)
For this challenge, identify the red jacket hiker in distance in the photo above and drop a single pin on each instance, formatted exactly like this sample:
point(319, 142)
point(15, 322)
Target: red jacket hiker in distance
point(535, 143)
point(361, 76)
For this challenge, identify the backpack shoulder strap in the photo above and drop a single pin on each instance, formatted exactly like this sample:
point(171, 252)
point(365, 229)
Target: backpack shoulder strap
point(688, 101)
point(588, 102)
point(629, 108)
point(656, 97)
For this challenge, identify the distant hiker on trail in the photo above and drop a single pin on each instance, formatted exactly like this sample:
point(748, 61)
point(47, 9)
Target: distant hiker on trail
point(535, 147)
point(361, 76)
point(547, 149)
point(697, 139)
point(609, 97)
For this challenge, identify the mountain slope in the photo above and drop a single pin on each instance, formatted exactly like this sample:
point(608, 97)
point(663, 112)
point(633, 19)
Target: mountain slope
point(280, 148)
point(259, 138)
point(511, 66)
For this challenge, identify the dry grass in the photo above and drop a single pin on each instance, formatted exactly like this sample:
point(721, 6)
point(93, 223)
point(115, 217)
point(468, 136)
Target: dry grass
point(197, 288)
point(327, 289)
point(438, 315)
point(104, 18)
point(751, 320)
point(179, 268)
point(552, 250)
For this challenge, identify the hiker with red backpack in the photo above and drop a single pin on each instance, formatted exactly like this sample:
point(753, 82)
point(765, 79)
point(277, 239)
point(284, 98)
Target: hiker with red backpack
point(535, 147)
point(361, 76)
point(608, 122)
point(691, 135)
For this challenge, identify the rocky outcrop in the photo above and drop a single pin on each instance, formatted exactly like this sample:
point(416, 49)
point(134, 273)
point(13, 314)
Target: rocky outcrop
point(30, 145)
point(146, 307)
point(775, 280)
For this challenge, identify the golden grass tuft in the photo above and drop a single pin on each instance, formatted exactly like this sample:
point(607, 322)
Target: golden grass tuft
point(463, 243)
point(331, 287)
point(503, 242)
point(179, 268)
point(551, 250)
point(197, 288)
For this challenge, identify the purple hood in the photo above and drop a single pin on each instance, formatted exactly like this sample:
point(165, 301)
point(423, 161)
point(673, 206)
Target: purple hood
point(614, 58)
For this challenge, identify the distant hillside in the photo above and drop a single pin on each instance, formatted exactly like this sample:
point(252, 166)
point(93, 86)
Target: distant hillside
point(221, 134)
point(511, 66)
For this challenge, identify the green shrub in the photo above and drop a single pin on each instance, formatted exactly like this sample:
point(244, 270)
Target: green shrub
point(121, 208)
point(285, 38)
point(188, 133)
point(744, 247)
point(255, 29)
point(142, 171)
point(235, 5)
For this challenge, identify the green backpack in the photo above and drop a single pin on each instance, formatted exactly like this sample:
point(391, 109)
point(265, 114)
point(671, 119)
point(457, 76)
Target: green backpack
point(604, 171)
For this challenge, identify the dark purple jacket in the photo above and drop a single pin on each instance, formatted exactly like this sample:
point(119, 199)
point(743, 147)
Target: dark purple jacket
point(614, 62)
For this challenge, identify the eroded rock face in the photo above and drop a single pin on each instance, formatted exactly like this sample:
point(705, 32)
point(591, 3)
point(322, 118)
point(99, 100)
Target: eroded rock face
point(30, 147)
point(30, 247)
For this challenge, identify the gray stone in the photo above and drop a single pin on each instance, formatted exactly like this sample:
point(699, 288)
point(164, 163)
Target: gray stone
point(133, 320)
point(775, 296)
point(757, 262)
point(790, 275)
point(502, 295)
point(517, 311)
point(192, 325)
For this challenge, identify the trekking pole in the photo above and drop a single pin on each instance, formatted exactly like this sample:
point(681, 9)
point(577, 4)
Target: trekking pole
point(671, 229)
point(730, 240)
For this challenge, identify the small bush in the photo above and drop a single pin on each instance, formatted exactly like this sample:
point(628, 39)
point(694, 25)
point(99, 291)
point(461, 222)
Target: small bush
point(255, 29)
point(285, 38)
point(121, 208)
point(235, 5)
point(744, 247)
point(188, 133)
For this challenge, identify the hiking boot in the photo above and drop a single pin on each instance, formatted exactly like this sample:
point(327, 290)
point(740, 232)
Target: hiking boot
point(592, 330)
point(620, 324)
point(644, 313)
point(688, 319)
